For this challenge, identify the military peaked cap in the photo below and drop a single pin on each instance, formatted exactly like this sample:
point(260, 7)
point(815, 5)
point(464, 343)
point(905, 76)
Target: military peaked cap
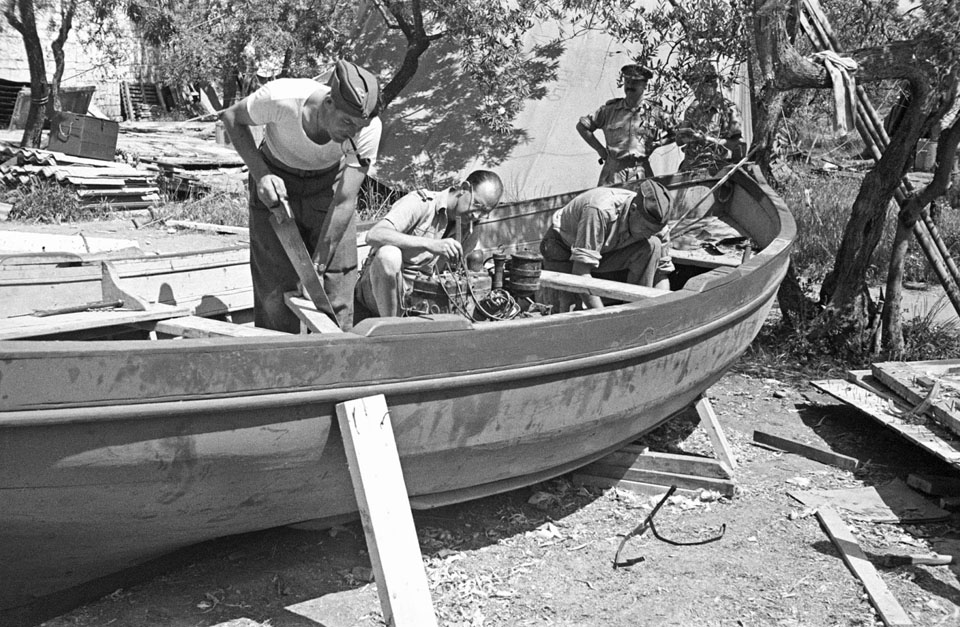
point(636, 72)
point(355, 90)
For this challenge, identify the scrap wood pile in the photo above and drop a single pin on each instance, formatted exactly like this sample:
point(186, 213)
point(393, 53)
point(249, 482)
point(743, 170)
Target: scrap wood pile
point(190, 164)
point(117, 185)
point(920, 401)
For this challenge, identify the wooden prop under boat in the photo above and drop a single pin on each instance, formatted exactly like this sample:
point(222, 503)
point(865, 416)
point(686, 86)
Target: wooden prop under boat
point(115, 452)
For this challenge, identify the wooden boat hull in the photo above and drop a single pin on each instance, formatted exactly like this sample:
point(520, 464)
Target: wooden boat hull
point(112, 455)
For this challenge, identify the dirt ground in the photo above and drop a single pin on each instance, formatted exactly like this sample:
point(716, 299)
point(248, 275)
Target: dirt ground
point(543, 555)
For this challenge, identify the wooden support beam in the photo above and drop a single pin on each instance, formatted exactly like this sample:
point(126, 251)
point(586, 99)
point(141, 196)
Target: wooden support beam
point(816, 453)
point(385, 512)
point(597, 287)
point(882, 599)
point(708, 420)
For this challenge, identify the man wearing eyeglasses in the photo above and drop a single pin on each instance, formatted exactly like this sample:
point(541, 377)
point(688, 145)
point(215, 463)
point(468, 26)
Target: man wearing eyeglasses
point(319, 142)
point(420, 235)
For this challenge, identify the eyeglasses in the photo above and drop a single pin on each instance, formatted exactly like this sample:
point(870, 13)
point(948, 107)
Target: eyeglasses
point(477, 208)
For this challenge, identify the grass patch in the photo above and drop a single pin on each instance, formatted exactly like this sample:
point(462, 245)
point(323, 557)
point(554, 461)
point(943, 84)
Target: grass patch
point(49, 202)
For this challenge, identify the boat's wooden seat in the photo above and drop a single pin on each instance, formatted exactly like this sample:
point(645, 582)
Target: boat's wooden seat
point(597, 287)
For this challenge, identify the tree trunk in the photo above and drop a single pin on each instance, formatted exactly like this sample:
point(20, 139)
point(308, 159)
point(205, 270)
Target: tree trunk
point(408, 69)
point(67, 11)
point(39, 88)
point(891, 318)
point(417, 43)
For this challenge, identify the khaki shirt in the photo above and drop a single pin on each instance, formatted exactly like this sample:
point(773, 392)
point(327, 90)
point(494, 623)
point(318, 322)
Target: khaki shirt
point(720, 119)
point(596, 222)
point(628, 132)
point(423, 213)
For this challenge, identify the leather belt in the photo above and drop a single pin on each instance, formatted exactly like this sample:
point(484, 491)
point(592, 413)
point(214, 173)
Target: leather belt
point(630, 161)
point(275, 164)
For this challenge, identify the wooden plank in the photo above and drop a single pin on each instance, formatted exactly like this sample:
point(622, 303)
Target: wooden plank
point(32, 326)
point(25, 241)
point(882, 599)
point(637, 487)
point(924, 386)
point(195, 326)
point(934, 485)
point(598, 287)
point(656, 477)
point(385, 512)
point(310, 280)
point(204, 226)
point(862, 393)
point(633, 456)
point(708, 420)
point(314, 320)
point(816, 453)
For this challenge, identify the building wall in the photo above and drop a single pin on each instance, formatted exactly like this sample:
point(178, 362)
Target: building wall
point(84, 65)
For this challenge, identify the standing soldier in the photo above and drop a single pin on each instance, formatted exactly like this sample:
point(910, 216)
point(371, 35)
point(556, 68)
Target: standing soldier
point(632, 129)
point(711, 132)
point(319, 142)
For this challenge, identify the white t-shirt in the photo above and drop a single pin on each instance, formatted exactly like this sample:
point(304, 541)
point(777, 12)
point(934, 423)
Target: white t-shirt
point(278, 106)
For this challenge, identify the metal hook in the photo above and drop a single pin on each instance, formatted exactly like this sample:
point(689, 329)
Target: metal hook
point(648, 524)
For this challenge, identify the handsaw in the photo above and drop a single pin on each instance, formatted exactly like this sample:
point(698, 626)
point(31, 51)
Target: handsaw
point(310, 281)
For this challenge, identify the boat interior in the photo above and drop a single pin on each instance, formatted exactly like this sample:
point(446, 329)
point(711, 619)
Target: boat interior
point(207, 294)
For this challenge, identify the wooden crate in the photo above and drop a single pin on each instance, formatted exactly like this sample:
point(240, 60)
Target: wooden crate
point(83, 136)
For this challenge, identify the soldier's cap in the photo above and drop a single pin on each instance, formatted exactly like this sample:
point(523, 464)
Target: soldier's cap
point(636, 72)
point(651, 204)
point(355, 90)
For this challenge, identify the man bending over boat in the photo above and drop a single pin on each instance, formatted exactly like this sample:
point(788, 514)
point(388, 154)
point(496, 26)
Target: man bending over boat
point(420, 234)
point(319, 142)
point(608, 230)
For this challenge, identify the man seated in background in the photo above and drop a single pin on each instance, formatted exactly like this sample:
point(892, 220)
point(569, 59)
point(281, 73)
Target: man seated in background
point(419, 235)
point(608, 229)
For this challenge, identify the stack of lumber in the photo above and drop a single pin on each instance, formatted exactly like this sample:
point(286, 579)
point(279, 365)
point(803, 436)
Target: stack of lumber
point(920, 401)
point(185, 156)
point(118, 185)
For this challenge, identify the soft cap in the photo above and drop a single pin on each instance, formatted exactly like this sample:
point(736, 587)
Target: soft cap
point(355, 90)
point(651, 205)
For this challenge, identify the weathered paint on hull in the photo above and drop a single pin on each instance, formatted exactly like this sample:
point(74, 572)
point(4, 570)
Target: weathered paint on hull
point(142, 488)
point(114, 453)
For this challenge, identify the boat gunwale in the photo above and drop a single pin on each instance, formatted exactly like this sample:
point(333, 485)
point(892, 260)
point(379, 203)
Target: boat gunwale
point(116, 411)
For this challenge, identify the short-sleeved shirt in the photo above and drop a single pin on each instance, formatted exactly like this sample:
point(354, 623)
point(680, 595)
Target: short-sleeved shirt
point(423, 213)
point(278, 106)
point(720, 119)
point(596, 222)
point(628, 132)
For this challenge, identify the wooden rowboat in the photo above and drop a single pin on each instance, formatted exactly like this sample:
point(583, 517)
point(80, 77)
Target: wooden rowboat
point(113, 452)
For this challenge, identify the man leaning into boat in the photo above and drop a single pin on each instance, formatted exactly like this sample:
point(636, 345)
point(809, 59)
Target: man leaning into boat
point(420, 234)
point(319, 142)
point(608, 230)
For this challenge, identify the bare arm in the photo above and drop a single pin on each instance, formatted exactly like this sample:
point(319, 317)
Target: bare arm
point(385, 234)
point(237, 122)
point(590, 301)
point(592, 140)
